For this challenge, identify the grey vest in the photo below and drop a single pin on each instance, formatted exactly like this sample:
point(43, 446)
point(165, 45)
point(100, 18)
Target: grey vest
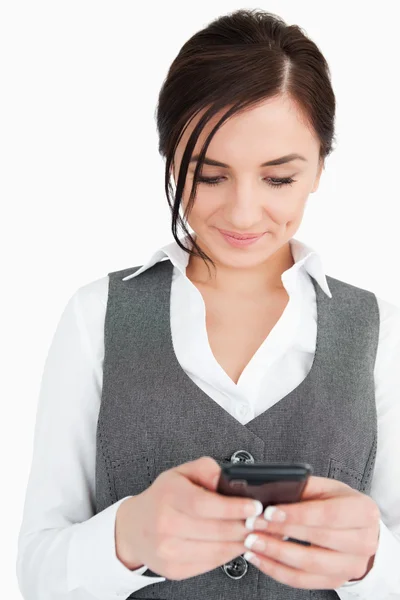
point(154, 417)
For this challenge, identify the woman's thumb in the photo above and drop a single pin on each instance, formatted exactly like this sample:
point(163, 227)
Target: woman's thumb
point(203, 471)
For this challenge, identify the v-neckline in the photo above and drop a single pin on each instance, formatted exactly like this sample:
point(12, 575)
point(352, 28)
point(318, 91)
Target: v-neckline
point(287, 313)
point(214, 406)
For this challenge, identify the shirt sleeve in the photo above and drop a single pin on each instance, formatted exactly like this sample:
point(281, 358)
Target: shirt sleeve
point(383, 580)
point(66, 550)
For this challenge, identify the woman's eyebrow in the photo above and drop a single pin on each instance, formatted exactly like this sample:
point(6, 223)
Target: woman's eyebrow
point(276, 161)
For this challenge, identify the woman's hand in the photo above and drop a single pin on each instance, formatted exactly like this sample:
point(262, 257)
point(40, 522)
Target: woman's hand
point(342, 526)
point(180, 526)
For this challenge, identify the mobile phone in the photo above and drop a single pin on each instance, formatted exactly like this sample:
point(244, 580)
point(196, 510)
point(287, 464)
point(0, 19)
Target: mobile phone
point(271, 483)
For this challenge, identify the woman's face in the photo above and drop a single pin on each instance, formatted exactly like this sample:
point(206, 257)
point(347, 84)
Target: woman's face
point(246, 198)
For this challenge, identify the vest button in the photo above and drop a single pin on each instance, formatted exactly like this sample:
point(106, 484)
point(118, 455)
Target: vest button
point(236, 568)
point(242, 456)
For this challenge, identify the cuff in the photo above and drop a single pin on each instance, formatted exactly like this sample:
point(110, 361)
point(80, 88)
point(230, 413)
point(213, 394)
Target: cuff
point(383, 580)
point(92, 562)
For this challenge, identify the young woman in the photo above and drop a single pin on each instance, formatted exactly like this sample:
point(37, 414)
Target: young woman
point(221, 348)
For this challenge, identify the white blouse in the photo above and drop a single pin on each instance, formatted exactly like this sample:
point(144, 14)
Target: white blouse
point(65, 550)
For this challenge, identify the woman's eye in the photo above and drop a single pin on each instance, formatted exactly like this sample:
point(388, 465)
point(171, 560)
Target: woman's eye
point(277, 182)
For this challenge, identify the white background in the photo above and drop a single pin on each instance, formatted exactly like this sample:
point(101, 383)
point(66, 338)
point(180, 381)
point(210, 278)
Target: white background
point(82, 183)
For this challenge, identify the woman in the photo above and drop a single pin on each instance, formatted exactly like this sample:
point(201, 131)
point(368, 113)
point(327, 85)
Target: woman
point(158, 374)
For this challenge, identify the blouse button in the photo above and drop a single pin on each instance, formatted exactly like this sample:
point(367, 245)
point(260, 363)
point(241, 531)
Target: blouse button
point(243, 410)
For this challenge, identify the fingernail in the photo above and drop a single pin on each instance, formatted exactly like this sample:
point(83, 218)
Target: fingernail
point(252, 521)
point(254, 508)
point(253, 541)
point(272, 513)
point(251, 557)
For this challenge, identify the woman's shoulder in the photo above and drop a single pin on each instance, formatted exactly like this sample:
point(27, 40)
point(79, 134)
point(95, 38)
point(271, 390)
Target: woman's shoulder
point(348, 287)
point(88, 305)
point(389, 317)
point(389, 312)
point(93, 292)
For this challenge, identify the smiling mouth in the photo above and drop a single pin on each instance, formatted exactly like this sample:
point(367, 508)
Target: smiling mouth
point(244, 236)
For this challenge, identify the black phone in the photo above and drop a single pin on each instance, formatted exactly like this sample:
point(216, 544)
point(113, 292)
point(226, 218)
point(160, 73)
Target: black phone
point(271, 483)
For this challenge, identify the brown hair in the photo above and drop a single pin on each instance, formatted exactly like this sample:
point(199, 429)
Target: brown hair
point(239, 60)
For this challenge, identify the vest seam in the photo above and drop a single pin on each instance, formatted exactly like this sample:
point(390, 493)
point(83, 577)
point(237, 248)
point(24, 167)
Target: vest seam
point(111, 484)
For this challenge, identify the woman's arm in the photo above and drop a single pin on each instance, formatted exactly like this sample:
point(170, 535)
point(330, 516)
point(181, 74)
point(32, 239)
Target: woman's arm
point(64, 549)
point(383, 579)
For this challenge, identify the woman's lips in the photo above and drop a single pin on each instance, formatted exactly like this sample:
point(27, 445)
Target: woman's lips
point(241, 236)
point(238, 243)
